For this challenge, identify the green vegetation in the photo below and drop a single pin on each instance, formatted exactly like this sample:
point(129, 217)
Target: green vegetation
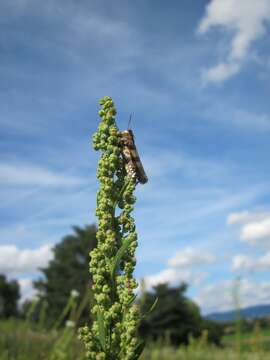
point(175, 318)
point(252, 338)
point(113, 333)
point(9, 296)
point(67, 271)
point(21, 341)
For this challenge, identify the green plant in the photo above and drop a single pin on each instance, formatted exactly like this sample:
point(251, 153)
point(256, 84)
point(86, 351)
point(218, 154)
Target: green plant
point(238, 320)
point(70, 308)
point(67, 270)
point(9, 296)
point(116, 317)
point(18, 341)
point(174, 317)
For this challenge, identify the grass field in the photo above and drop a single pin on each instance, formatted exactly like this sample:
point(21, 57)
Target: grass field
point(19, 342)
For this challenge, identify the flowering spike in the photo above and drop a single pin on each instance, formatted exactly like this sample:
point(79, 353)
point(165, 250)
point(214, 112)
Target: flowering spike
point(116, 318)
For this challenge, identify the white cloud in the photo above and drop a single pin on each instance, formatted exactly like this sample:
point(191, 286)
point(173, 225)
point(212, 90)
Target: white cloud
point(220, 296)
point(31, 175)
point(182, 268)
point(243, 217)
point(174, 277)
point(220, 72)
point(14, 261)
point(26, 289)
point(191, 257)
point(255, 226)
point(238, 217)
point(169, 275)
point(245, 19)
point(243, 262)
point(256, 231)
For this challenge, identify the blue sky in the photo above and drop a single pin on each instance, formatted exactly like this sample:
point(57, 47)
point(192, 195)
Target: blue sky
point(195, 75)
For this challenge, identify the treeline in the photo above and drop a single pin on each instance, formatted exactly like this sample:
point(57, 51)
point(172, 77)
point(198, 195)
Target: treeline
point(9, 297)
point(167, 313)
point(245, 325)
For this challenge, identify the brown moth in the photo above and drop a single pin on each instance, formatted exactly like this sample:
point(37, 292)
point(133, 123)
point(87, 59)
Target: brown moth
point(131, 157)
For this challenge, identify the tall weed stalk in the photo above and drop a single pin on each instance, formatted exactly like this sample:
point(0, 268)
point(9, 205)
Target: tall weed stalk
point(116, 317)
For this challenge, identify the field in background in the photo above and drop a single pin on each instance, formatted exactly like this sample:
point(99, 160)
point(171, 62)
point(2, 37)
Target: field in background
point(19, 342)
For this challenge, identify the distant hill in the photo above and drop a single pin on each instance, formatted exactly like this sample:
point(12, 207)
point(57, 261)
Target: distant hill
point(252, 312)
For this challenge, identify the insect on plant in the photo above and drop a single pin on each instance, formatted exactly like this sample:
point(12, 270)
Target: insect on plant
point(115, 315)
point(133, 164)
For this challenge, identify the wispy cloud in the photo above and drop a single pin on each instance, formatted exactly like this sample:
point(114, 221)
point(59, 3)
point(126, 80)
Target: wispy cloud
point(236, 117)
point(191, 257)
point(245, 19)
point(245, 263)
point(220, 72)
point(173, 160)
point(31, 175)
point(191, 199)
point(245, 216)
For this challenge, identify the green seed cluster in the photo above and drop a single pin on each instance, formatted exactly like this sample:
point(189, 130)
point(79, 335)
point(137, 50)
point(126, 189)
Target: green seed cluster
point(113, 332)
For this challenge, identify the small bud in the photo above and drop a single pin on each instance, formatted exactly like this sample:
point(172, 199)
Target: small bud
point(70, 324)
point(74, 293)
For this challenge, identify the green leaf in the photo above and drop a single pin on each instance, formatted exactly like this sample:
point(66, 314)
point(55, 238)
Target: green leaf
point(101, 330)
point(121, 192)
point(132, 299)
point(153, 306)
point(120, 253)
point(151, 309)
point(138, 350)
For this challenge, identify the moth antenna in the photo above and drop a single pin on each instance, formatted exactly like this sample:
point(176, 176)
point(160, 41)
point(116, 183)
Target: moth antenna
point(129, 121)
